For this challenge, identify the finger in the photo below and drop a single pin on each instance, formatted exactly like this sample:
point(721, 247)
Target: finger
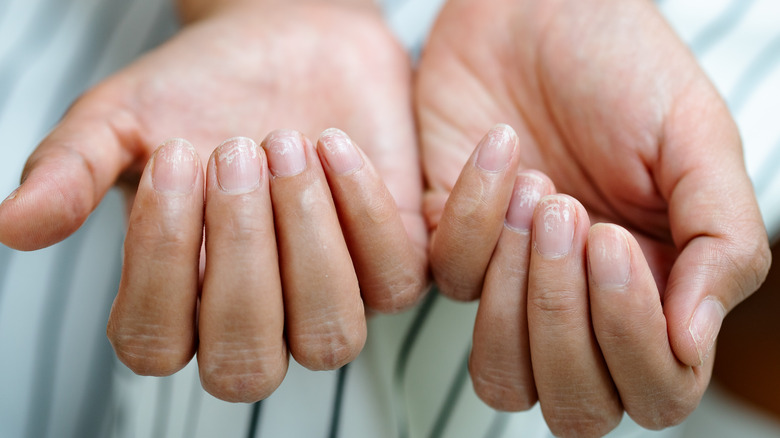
point(390, 269)
point(152, 321)
point(575, 391)
point(655, 388)
point(67, 176)
point(242, 355)
point(500, 362)
point(714, 220)
point(474, 214)
point(326, 325)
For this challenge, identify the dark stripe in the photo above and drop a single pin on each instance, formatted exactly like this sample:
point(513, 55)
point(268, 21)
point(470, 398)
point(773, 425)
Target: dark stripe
point(6, 254)
point(338, 401)
point(95, 409)
point(91, 49)
point(162, 406)
point(498, 425)
point(47, 348)
point(193, 409)
point(718, 28)
point(254, 420)
point(402, 362)
point(762, 66)
point(453, 395)
point(44, 26)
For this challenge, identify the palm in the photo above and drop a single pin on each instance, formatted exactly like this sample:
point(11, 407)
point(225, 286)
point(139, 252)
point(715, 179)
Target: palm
point(595, 124)
point(230, 75)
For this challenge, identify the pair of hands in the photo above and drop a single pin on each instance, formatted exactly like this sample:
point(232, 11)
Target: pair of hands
point(605, 101)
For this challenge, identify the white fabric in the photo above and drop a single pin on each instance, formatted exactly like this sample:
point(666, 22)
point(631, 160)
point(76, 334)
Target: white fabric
point(63, 346)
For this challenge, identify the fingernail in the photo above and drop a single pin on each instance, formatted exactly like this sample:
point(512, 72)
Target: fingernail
point(340, 153)
point(610, 258)
point(705, 326)
point(175, 167)
point(554, 227)
point(238, 165)
point(496, 148)
point(12, 195)
point(525, 196)
point(286, 156)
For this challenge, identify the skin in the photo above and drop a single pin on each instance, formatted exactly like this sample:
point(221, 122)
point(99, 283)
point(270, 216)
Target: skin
point(245, 302)
point(605, 100)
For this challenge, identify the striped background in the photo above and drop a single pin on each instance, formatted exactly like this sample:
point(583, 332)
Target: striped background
point(58, 377)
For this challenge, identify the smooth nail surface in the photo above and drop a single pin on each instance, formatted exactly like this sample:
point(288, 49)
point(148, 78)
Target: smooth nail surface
point(496, 148)
point(554, 227)
point(705, 326)
point(175, 167)
point(286, 156)
point(610, 257)
point(340, 153)
point(238, 164)
point(525, 196)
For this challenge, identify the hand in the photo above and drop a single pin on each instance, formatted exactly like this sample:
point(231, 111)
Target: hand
point(245, 68)
point(610, 105)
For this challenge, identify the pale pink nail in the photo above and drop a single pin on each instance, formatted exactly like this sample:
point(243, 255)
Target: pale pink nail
point(286, 156)
point(239, 165)
point(705, 326)
point(339, 151)
point(175, 167)
point(610, 257)
point(554, 227)
point(496, 148)
point(12, 195)
point(527, 192)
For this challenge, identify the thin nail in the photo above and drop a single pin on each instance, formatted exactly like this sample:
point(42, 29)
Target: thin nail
point(340, 153)
point(12, 195)
point(238, 164)
point(705, 326)
point(525, 196)
point(554, 227)
point(175, 167)
point(286, 156)
point(496, 148)
point(609, 256)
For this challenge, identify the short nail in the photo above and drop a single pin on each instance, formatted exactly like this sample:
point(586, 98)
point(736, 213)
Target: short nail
point(12, 195)
point(286, 156)
point(554, 227)
point(610, 258)
point(525, 196)
point(705, 326)
point(238, 165)
point(496, 148)
point(175, 167)
point(339, 151)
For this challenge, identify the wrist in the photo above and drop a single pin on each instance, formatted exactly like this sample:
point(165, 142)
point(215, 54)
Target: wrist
point(194, 10)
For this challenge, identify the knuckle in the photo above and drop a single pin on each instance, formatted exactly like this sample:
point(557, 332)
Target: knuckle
point(556, 301)
point(398, 294)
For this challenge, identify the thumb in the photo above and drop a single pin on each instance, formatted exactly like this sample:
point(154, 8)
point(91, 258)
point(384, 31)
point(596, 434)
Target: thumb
point(67, 175)
point(716, 223)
